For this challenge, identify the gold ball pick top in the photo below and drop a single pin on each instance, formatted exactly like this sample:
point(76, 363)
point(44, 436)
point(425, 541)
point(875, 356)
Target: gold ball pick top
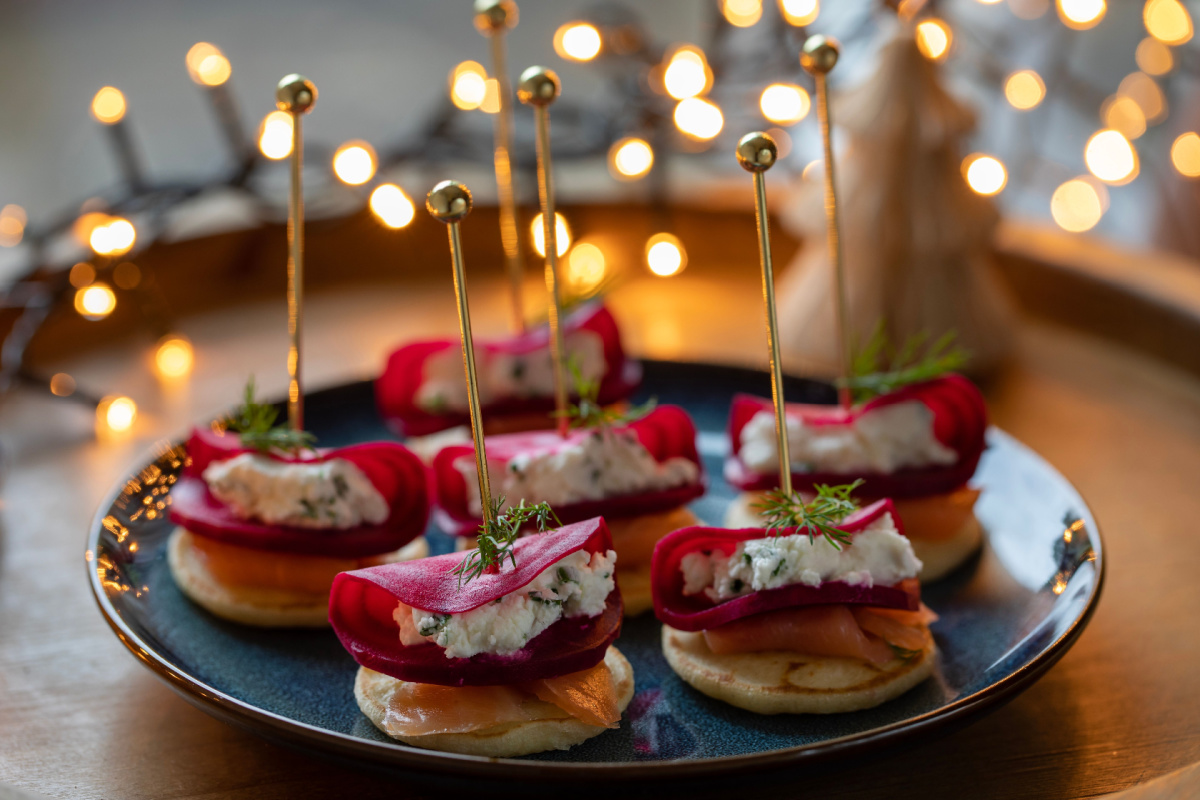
point(539, 87)
point(757, 152)
point(493, 16)
point(449, 201)
point(295, 94)
point(820, 54)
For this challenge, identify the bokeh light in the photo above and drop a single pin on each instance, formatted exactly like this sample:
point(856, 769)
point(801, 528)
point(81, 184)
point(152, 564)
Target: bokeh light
point(82, 274)
point(127, 275)
point(586, 267)
point(934, 38)
point(1110, 157)
point(116, 414)
point(95, 301)
point(699, 118)
point(985, 174)
point(468, 85)
point(12, 225)
point(630, 158)
point(1122, 114)
point(62, 384)
point(207, 65)
point(1185, 154)
point(741, 13)
point(1028, 9)
point(1081, 14)
point(783, 141)
point(354, 163)
point(800, 12)
point(174, 357)
point(687, 74)
point(1146, 93)
point(275, 135)
point(1024, 89)
point(1154, 57)
point(108, 105)
point(392, 206)
point(577, 41)
point(665, 255)
point(784, 103)
point(1168, 21)
point(491, 97)
point(562, 234)
point(1078, 205)
point(114, 237)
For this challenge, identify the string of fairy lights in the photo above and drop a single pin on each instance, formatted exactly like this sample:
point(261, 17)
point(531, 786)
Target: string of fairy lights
point(668, 106)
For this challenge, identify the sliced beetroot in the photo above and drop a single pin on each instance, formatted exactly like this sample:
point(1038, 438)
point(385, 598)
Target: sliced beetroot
point(362, 604)
point(396, 389)
point(959, 422)
point(394, 471)
point(666, 432)
point(697, 612)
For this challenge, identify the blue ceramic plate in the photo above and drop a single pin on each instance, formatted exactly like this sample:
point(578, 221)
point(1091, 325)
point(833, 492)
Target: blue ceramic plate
point(1006, 617)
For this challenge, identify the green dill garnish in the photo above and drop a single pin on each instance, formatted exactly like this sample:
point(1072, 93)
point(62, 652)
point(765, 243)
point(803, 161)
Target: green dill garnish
point(879, 368)
point(433, 625)
point(589, 413)
point(497, 537)
point(820, 515)
point(255, 424)
point(903, 654)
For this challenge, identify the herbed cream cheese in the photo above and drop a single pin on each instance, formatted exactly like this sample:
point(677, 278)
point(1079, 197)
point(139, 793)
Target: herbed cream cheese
point(878, 555)
point(505, 374)
point(881, 440)
point(605, 463)
point(577, 585)
point(320, 494)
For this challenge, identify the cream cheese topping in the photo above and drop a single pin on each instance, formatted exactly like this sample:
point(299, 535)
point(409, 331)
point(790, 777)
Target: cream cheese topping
point(879, 554)
point(605, 463)
point(576, 585)
point(505, 374)
point(320, 494)
point(883, 439)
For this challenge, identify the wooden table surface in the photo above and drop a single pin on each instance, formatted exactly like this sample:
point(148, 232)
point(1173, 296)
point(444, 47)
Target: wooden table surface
point(80, 717)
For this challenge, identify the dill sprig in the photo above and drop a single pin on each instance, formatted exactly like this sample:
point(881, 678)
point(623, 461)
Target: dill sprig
point(589, 413)
point(880, 368)
point(255, 423)
point(497, 537)
point(821, 515)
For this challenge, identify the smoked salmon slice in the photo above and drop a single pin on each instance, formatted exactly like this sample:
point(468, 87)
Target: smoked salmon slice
point(419, 709)
point(905, 629)
point(938, 517)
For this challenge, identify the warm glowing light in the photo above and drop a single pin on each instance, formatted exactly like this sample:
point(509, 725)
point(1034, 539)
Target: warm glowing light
point(1028, 9)
point(785, 103)
point(1110, 157)
point(96, 301)
point(985, 174)
point(741, 13)
point(275, 135)
point(1081, 14)
point(1123, 114)
point(1078, 205)
point(1154, 57)
point(117, 414)
point(813, 170)
point(1185, 154)
point(491, 97)
point(392, 206)
point(577, 41)
point(207, 65)
point(665, 255)
point(585, 267)
point(1168, 21)
point(988, 2)
point(699, 118)
point(934, 38)
point(62, 384)
point(354, 163)
point(1146, 93)
point(126, 275)
point(12, 225)
point(81, 274)
point(468, 85)
point(562, 235)
point(108, 106)
point(1024, 90)
point(174, 357)
point(630, 158)
point(83, 226)
point(687, 74)
point(800, 12)
point(113, 238)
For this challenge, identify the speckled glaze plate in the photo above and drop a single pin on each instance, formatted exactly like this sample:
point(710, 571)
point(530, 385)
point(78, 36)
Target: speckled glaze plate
point(1006, 617)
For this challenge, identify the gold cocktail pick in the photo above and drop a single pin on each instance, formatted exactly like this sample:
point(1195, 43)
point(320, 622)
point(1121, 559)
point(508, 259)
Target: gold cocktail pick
point(756, 152)
point(819, 56)
point(539, 88)
point(493, 18)
point(296, 95)
point(450, 202)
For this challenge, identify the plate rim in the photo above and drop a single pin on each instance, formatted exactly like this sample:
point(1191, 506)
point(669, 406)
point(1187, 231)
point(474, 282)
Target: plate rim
point(394, 755)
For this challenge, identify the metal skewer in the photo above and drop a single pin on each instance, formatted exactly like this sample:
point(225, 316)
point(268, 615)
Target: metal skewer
point(493, 18)
point(450, 202)
point(819, 56)
point(296, 95)
point(756, 152)
point(539, 88)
